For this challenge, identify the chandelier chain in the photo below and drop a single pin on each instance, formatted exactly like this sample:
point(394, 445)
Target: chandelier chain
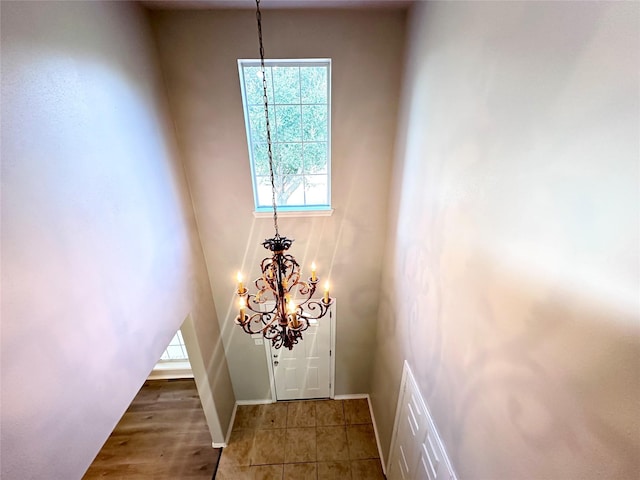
point(266, 115)
point(293, 309)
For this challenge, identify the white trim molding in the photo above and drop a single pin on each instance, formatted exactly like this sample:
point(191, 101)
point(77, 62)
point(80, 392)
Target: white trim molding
point(254, 402)
point(375, 431)
point(418, 447)
point(358, 396)
point(351, 396)
point(171, 370)
point(296, 213)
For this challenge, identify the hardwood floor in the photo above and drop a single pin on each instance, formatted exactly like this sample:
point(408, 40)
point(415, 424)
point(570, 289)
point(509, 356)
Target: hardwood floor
point(163, 435)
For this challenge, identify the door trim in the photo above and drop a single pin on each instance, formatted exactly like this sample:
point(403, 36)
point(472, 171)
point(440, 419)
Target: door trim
point(332, 356)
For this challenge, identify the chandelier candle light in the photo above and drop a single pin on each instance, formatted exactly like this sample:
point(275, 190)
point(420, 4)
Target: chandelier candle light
point(283, 305)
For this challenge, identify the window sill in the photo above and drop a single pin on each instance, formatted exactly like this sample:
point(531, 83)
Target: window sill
point(165, 370)
point(295, 213)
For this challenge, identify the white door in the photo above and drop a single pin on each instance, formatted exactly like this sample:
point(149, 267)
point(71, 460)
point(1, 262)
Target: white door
point(305, 371)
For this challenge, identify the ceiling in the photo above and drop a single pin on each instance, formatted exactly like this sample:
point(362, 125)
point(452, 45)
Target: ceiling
point(265, 4)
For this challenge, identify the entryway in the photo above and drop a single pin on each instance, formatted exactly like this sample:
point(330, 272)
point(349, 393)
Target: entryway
point(324, 440)
point(307, 371)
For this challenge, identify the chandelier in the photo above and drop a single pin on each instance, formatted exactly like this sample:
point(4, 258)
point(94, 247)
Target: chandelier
point(283, 306)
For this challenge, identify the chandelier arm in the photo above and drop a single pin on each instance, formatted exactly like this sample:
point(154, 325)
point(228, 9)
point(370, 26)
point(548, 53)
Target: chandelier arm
point(291, 337)
point(256, 304)
point(266, 320)
point(250, 320)
point(313, 305)
point(306, 289)
point(264, 285)
point(276, 335)
point(303, 324)
point(290, 270)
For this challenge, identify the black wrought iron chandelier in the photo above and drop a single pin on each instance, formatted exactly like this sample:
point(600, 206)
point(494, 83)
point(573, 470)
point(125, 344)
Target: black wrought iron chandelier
point(283, 306)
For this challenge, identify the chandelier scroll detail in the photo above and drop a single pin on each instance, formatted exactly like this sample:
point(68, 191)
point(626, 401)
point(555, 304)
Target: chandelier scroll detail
point(283, 306)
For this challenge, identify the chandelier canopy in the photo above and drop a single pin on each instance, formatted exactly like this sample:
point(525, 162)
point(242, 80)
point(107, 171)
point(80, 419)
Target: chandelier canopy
point(283, 306)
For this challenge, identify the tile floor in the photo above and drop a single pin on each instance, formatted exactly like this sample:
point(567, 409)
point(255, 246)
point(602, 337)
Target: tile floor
point(315, 439)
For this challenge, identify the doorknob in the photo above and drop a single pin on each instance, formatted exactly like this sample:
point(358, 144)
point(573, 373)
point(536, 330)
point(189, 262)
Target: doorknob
point(276, 363)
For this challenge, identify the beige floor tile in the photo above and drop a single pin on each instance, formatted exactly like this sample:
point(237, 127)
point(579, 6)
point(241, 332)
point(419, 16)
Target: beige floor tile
point(300, 445)
point(259, 472)
point(366, 469)
point(334, 470)
point(266, 472)
point(267, 447)
point(238, 451)
point(362, 442)
point(246, 417)
point(272, 415)
point(356, 411)
point(300, 471)
point(332, 443)
point(233, 472)
point(329, 412)
point(301, 414)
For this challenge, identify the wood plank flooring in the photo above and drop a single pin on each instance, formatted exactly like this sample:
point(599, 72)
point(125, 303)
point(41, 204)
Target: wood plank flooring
point(162, 435)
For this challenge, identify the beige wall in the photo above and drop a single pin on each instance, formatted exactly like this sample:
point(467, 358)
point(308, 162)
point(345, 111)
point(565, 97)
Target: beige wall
point(513, 242)
point(101, 260)
point(199, 51)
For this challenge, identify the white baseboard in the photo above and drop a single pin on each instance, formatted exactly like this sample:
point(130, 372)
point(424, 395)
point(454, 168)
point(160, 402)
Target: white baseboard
point(356, 396)
point(375, 431)
point(233, 417)
point(218, 445)
point(351, 396)
point(254, 402)
point(169, 374)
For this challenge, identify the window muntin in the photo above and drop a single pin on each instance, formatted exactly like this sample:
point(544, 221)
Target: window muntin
point(176, 350)
point(298, 92)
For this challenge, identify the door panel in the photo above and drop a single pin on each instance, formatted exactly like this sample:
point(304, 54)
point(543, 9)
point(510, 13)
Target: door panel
point(411, 430)
point(417, 452)
point(304, 372)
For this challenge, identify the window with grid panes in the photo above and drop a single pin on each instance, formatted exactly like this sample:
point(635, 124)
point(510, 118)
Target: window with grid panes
point(176, 350)
point(298, 94)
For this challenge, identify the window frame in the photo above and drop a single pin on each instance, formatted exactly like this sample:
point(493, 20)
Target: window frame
point(176, 341)
point(260, 211)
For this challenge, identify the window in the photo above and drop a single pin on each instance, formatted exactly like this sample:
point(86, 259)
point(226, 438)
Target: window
point(298, 92)
point(176, 349)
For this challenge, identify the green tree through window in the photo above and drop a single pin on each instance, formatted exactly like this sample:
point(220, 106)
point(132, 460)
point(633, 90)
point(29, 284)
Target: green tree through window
point(298, 93)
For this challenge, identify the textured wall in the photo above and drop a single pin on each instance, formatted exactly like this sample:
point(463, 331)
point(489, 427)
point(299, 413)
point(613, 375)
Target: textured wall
point(101, 261)
point(199, 51)
point(513, 252)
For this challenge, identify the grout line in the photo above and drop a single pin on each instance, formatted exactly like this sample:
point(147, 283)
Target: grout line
point(344, 415)
point(344, 425)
